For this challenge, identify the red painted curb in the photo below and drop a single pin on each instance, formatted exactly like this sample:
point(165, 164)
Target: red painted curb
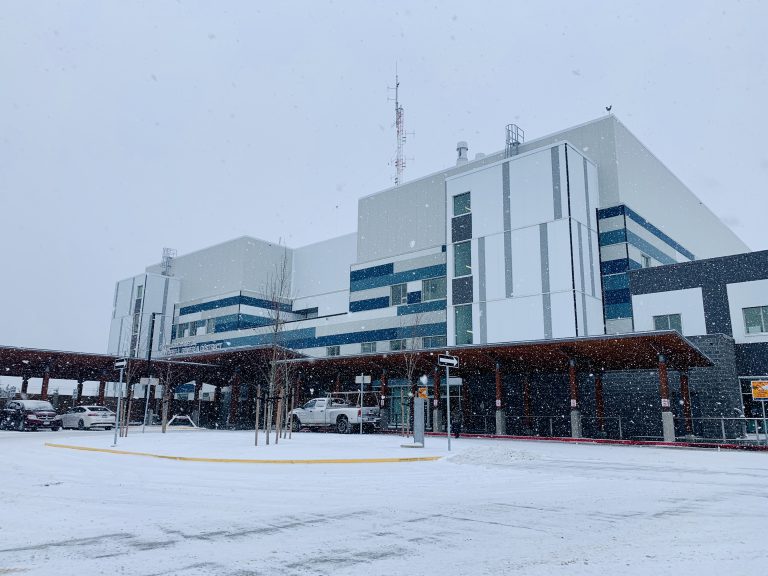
point(709, 445)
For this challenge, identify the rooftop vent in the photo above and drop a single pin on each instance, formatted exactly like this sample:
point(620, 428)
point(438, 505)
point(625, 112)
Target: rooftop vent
point(462, 149)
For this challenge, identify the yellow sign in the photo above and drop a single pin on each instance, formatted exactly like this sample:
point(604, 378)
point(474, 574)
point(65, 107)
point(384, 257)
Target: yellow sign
point(760, 389)
point(423, 392)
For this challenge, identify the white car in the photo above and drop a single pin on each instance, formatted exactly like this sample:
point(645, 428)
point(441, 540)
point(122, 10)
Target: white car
point(86, 417)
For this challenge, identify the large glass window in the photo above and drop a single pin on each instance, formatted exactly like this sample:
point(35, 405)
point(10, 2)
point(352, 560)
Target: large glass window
point(463, 321)
point(668, 322)
point(462, 204)
point(432, 289)
point(368, 347)
point(332, 351)
point(435, 342)
point(397, 344)
point(462, 259)
point(756, 319)
point(399, 294)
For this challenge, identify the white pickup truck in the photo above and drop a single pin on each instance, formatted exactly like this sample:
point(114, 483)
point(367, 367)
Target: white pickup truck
point(334, 412)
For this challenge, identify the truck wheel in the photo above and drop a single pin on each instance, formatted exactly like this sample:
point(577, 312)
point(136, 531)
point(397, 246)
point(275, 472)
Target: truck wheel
point(295, 424)
point(20, 425)
point(342, 425)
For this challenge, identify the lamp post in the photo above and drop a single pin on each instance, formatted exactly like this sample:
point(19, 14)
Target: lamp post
point(149, 367)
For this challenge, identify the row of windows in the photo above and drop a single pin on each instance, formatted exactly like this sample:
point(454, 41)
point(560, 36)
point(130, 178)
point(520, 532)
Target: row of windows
point(431, 289)
point(194, 328)
point(755, 321)
point(394, 345)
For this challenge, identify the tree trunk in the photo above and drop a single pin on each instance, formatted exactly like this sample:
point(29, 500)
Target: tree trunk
point(258, 407)
point(166, 396)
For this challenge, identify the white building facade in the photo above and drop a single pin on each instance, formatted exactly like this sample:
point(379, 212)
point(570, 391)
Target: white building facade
point(525, 245)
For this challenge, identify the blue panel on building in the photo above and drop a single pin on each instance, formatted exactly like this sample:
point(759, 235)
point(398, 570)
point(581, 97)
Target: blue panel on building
point(370, 304)
point(398, 278)
point(613, 237)
point(616, 282)
point(614, 266)
point(617, 296)
point(414, 297)
point(430, 306)
point(372, 272)
point(613, 311)
point(648, 248)
point(610, 212)
point(231, 301)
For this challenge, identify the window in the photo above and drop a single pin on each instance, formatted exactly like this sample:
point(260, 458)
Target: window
point(210, 326)
point(432, 289)
point(668, 322)
point(462, 259)
point(332, 351)
point(308, 405)
point(139, 292)
point(463, 318)
point(397, 344)
point(368, 347)
point(462, 204)
point(646, 261)
point(399, 294)
point(756, 319)
point(435, 342)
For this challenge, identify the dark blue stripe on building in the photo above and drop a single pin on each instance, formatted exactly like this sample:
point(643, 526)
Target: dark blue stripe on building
point(370, 304)
point(617, 296)
point(623, 210)
point(648, 248)
point(430, 306)
point(305, 338)
point(232, 301)
point(613, 237)
point(613, 311)
point(414, 297)
point(372, 272)
point(398, 278)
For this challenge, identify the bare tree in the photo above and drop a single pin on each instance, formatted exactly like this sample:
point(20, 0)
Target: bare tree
point(166, 377)
point(278, 293)
point(410, 346)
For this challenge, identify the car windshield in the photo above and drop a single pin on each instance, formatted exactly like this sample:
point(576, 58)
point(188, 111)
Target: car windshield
point(37, 405)
point(97, 409)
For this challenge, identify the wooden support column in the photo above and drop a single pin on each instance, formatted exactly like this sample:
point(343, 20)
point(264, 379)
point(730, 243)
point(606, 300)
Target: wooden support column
point(599, 403)
point(44, 388)
point(685, 392)
point(437, 414)
point(102, 389)
point(465, 407)
point(501, 419)
point(337, 384)
point(217, 404)
point(574, 393)
point(79, 390)
point(198, 387)
point(24, 384)
point(234, 399)
point(667, 420)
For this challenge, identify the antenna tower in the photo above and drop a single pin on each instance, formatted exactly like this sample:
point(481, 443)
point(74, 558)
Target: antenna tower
point(166, 264)
point(400, 128)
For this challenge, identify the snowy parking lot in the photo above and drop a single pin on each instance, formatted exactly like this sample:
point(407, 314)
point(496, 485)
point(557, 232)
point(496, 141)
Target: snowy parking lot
point(488, 507)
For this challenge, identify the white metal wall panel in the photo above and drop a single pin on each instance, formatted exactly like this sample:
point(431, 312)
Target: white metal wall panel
point(531, 196)
point(515, 319)
point(485, 187)
point(563, 320)
point(596, 322)
point(559, 256)
point(323, 267)
point(495, 279)
point(688, 303)
point(526, 261)
point(746, 295)
point(577, 190)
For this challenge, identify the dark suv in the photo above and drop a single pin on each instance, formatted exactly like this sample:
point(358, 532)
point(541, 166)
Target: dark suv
point(29, 415)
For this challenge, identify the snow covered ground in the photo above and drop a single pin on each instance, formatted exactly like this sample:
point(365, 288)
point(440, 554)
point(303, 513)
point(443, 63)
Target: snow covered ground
point(491, 507)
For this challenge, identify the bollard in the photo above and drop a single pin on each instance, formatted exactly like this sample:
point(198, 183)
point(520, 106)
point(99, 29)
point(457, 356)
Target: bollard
point(722, 427)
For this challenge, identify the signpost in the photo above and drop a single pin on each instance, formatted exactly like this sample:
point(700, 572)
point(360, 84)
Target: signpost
point(362, 379)
point(449, 362)
point(119, 364)
point(760, 392)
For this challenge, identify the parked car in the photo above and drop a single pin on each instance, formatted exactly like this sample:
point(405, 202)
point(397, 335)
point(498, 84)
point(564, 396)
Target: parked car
point(87, 417)
point(28, 415)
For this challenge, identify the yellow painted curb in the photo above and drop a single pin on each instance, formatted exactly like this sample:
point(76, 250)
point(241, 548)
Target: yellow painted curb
point(244, 461)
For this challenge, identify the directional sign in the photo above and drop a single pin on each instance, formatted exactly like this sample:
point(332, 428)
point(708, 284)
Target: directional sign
point(362, 379)
point(447, 360)
point(760, 389)
point(121, 363)
point(422, 393)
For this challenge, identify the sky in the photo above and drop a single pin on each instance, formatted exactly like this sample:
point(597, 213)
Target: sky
point(127, 127)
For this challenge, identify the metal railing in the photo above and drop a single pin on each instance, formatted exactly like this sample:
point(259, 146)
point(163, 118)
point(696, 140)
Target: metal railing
point(746, 431)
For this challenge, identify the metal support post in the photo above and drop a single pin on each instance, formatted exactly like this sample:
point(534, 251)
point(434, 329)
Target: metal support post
point(448, 407)
point(119, 403)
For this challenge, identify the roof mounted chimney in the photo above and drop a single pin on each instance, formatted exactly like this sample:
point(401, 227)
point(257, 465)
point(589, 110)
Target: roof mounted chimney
point(462, 149)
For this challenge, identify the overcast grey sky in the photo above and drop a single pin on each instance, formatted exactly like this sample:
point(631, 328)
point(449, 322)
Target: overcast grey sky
point(129, 126)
